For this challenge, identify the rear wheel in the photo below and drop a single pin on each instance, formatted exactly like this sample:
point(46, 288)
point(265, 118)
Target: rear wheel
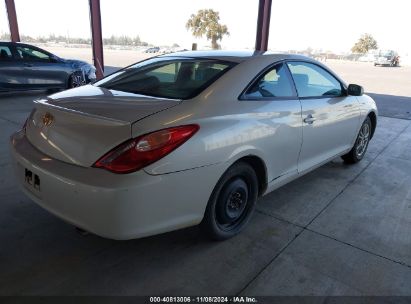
point(361, 144)
point(232, 202)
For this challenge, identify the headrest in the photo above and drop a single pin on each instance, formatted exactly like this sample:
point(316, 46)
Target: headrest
point(3, 54)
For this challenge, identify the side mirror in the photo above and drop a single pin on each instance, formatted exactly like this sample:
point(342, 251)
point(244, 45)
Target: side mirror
point(355, 90)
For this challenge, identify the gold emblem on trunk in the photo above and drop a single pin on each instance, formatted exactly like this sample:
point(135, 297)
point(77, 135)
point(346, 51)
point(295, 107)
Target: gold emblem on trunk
point(47, 119)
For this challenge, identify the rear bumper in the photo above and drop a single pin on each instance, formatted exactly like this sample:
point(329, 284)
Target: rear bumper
point(111, 205)
point(383, 62)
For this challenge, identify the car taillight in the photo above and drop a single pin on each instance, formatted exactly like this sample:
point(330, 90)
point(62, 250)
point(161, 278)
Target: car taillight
point(142, 151)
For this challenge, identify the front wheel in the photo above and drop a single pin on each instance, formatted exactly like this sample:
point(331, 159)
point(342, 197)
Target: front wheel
point(357, 153)
point(76, 80)
point(232, 202)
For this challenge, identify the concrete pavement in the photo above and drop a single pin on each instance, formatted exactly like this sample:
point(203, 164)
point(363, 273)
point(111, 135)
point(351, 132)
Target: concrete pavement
point(339, 230)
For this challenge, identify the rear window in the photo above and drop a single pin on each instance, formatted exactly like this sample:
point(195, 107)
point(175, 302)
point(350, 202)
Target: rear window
point(168, 77)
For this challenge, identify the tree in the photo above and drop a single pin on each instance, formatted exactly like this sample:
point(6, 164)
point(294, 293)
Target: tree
point(137, 40)
point(206, 22)
point(364, 44)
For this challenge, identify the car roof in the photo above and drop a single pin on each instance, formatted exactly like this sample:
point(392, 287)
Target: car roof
point(14, 43)
point(7, 42)
point(235, 56)
point(241, 56)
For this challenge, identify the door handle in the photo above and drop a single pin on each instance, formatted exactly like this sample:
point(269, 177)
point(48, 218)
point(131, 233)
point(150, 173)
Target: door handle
point(309, 119)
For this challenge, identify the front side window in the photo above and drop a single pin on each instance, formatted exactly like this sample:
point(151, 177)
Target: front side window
point(31, 54)
point(168, 77)
point(274, 83)
point(313, 81)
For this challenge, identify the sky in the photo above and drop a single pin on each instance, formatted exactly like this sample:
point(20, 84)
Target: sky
point(295, 24)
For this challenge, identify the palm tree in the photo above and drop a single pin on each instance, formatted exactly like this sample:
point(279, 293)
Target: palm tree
point(206, 22)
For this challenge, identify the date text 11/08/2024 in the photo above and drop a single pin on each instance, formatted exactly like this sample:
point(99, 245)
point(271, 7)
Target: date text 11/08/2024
point(203, 300)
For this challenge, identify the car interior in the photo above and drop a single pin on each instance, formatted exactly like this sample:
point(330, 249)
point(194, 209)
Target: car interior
point(274, 83)
point(171, 80)
point(4, 54)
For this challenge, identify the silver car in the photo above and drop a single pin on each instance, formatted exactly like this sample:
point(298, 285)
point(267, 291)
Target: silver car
point(185, 139)
point(387, 57)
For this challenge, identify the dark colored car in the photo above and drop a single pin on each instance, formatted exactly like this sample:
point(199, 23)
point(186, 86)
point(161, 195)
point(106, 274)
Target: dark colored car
point(155, 49)
point(26, 67)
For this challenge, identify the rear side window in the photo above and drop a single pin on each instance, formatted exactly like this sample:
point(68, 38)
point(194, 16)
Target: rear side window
point(313, 81)
point(274, 83)
point(5, 52)
point(167, 77)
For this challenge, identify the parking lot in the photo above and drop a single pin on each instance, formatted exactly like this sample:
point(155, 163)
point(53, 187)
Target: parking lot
point(339, 230)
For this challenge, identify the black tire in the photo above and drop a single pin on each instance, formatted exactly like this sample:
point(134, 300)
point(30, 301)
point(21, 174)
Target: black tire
point(76, 80)
point(232, 202)
point(357, 153)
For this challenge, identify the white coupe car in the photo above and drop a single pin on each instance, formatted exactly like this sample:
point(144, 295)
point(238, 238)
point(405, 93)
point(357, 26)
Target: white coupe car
point(185, 139)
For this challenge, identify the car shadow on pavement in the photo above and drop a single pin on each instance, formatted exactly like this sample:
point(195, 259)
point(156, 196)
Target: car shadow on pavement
point(392, 105)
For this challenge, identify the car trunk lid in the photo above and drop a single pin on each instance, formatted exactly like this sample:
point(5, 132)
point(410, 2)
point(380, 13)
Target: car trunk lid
point(79, 126)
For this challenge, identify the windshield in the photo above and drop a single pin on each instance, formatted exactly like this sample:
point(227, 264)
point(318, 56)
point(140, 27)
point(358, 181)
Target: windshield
point(167, 77)
point(386, 53)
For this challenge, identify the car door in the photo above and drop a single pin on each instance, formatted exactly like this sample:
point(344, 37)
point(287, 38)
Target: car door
point(10, 69)
point(330, 117)
point(277, 107)
point(41, 71)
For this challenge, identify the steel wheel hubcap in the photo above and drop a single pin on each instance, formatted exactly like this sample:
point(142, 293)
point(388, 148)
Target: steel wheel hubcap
point(236, 203)
point(232, 203)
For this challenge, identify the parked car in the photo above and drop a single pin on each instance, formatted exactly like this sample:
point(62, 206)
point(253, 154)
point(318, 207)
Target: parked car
point(152, 50)
point(172, 50)
point(187, 138)
point(27, 67)
point(387, 57)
